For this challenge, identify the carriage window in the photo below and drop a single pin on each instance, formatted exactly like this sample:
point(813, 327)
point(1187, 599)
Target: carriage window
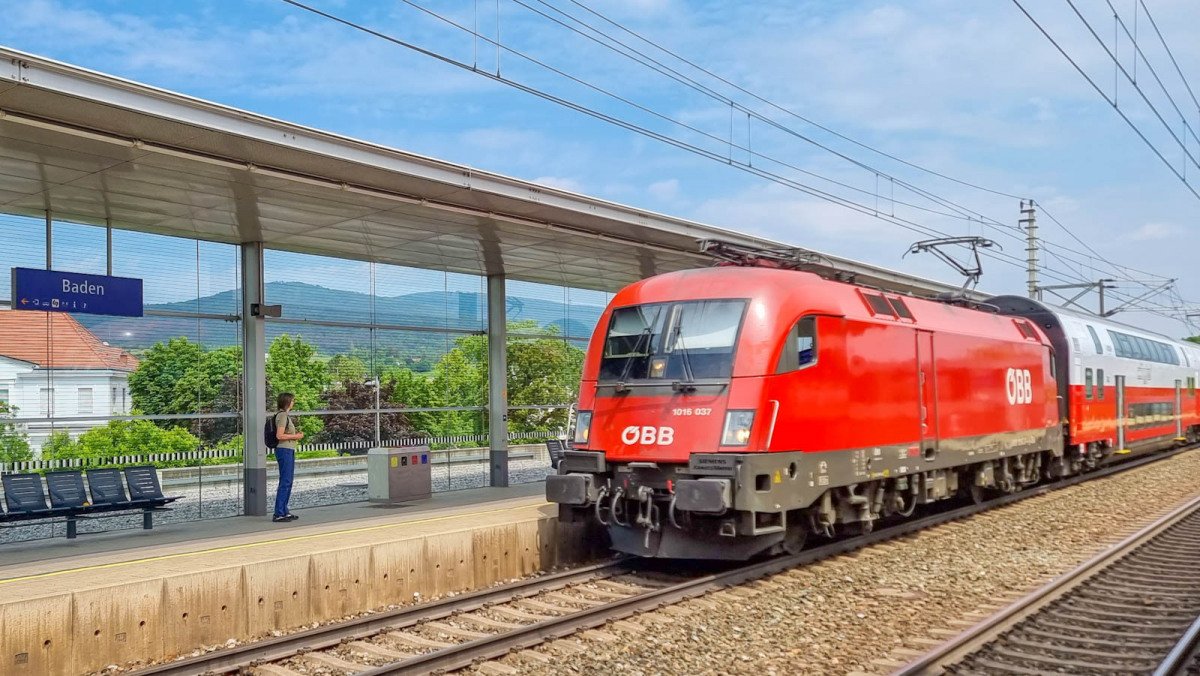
point(1099, 383)
point(1095, 339)
point(1142, 348)
point(800, 350)
point(1089, 383)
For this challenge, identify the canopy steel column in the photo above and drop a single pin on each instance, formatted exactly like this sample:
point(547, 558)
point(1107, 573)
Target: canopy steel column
point(497, 333)
point(254, 381)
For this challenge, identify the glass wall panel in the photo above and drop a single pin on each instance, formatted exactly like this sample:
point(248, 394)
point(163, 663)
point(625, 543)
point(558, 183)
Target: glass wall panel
point(82, 390)
point(79, 248)
point(24, 247)
point(318, 287)
point(584, 308)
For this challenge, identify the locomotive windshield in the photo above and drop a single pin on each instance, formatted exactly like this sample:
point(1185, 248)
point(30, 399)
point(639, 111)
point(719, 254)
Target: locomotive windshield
point(674, 341)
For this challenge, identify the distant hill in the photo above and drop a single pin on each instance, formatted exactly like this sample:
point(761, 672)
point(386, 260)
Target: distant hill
point(429, 309)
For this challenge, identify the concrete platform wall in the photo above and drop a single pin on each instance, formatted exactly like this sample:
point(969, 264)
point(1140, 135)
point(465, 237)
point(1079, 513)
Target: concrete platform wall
point(176, 606)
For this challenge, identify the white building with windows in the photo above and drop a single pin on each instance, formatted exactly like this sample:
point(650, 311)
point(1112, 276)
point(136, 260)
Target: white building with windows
point(55, 374)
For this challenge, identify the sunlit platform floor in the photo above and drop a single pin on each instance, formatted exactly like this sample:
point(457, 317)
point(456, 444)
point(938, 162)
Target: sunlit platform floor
point(116, 547)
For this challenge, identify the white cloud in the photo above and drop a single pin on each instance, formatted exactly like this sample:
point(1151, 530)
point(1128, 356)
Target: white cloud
point(1155, 231)
point(666, 190)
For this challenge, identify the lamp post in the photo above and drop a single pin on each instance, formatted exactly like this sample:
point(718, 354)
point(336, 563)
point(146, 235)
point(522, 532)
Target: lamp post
point(375, 382)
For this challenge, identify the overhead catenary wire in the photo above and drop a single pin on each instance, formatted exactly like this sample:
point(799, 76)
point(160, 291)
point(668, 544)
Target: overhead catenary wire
point(657, 65)
point(1133, 81)
point(640, 129)
point(1163, 40)
point(1187, 128)
point(816, 192)
point(790, 112)
point(640, 57)
point(1106, 97)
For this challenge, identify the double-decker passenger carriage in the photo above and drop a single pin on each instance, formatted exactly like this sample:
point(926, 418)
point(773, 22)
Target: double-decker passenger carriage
point(1129, 390)
point(731, 411)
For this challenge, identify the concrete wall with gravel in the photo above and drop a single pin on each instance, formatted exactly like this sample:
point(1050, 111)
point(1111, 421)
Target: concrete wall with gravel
point(175, 602)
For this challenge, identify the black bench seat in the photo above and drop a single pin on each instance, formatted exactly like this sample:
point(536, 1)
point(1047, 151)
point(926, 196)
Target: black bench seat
point(26, 501)
point(555, 448)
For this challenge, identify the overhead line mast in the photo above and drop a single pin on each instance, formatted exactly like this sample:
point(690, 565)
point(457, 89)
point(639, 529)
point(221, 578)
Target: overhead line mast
point(1029, 224)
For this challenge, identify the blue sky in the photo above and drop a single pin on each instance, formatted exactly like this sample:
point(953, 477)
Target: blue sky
point(969, 89)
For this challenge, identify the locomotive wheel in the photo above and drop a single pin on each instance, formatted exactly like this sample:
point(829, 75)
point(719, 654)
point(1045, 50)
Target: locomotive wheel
point(794, 539)
point(976, 494)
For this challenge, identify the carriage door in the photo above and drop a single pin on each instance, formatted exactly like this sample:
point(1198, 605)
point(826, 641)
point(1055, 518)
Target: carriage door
point(1120, 383)
point(1178, 410)
point(927, 383)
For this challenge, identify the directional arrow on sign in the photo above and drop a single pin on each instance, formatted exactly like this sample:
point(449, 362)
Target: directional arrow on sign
point(24, 301)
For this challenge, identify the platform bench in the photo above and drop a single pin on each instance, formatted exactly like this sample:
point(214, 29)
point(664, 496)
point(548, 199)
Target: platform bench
point(25, 500)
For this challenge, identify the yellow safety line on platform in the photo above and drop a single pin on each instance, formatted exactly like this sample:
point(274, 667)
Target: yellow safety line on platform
point(250, 545)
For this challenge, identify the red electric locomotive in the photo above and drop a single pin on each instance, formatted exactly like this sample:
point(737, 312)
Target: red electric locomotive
point(731, 411)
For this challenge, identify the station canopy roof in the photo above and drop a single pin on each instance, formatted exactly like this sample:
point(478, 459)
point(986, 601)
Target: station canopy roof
point(97, 149)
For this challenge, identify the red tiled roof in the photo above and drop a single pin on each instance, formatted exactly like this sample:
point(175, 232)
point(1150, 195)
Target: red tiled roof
point(56, 340)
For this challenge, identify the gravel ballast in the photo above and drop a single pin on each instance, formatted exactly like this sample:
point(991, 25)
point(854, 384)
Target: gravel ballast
point(843, 614)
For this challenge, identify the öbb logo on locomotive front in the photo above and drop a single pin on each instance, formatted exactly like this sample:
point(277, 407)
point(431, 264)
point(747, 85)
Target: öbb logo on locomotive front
point(648, 436)
point(1018, 385)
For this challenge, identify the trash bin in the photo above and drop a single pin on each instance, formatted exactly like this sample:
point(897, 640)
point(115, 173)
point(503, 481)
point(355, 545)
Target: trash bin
point(398, 474)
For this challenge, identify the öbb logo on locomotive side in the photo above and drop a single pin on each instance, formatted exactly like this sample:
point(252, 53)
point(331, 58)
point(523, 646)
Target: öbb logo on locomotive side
point(1018, 385)
point(648, 436)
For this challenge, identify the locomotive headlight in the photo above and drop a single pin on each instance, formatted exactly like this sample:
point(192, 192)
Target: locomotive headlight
point(658, 367)
point(737, 428)
point(583, 427)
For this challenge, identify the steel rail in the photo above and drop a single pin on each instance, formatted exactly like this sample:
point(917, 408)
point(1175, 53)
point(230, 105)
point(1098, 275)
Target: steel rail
point(1184, 652)
point(464, 654)
point(491, 647)
point(328, 636)
point(984, 632)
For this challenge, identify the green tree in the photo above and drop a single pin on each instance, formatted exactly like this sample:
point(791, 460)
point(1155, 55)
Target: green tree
point(201, 385)
point(14, 443)
point(293, 366)
point(1194, 339)
point(59, 445)
point(413, 390)
point(345, 369)
point(131, 437)
point(541, 371)
point(160, 369)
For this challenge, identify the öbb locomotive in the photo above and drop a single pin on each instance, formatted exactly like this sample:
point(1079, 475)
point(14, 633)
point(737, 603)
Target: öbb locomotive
point(729, 412)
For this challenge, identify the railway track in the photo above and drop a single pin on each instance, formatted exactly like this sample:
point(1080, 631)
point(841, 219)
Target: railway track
point(456, 632)
point(1121, 612)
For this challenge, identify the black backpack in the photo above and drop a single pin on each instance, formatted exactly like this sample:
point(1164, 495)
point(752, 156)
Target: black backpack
point(271, 433)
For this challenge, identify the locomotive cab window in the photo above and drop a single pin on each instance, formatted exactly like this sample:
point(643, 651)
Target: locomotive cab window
point(682, 341)
point(800, 349)
point(1089, 383)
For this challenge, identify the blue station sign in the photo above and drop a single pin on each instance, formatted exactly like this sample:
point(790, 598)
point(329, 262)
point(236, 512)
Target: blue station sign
point(52, 291)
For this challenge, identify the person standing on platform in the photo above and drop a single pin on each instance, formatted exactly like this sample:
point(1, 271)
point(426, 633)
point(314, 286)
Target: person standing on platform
point(285, 455)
